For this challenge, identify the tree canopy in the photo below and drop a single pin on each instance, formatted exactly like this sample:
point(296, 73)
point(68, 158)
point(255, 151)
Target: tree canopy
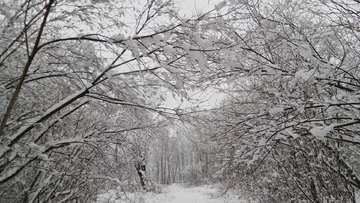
point(83, 86)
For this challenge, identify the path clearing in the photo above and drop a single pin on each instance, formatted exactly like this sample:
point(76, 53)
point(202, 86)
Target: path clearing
point(174, 193)
point(191, 195)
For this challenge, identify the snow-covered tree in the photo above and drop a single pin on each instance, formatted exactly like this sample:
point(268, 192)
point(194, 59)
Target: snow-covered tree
point(289, 127)
point(78, 80)
point(83, 82)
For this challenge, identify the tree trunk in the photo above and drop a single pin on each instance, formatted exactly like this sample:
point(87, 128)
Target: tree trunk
point(140, 169)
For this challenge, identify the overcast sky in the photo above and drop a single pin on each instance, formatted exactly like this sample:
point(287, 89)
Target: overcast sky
point(191, 6)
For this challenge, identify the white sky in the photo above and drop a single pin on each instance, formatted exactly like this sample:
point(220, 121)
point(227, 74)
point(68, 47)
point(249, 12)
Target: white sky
point(191, 6)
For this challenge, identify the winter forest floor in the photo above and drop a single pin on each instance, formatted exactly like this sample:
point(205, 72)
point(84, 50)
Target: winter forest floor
point(175, 193)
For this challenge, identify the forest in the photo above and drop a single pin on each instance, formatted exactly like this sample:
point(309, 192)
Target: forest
point(99, 95)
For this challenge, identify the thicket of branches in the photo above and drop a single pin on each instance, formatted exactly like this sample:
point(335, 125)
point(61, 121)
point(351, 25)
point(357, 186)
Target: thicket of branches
point(80, 95)
point(289, 128)
point(83, 85)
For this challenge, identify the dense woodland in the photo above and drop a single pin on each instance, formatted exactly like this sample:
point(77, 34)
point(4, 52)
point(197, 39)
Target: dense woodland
point(83, 85)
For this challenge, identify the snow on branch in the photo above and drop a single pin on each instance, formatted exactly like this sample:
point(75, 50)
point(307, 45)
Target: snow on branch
point(65, 102)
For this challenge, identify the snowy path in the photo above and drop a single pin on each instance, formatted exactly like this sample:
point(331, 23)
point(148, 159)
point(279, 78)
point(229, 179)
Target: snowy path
point(191, 195)
point(172, 194)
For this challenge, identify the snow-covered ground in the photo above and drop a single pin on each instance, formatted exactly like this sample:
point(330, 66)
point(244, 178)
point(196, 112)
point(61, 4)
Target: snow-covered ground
point(174, 193)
